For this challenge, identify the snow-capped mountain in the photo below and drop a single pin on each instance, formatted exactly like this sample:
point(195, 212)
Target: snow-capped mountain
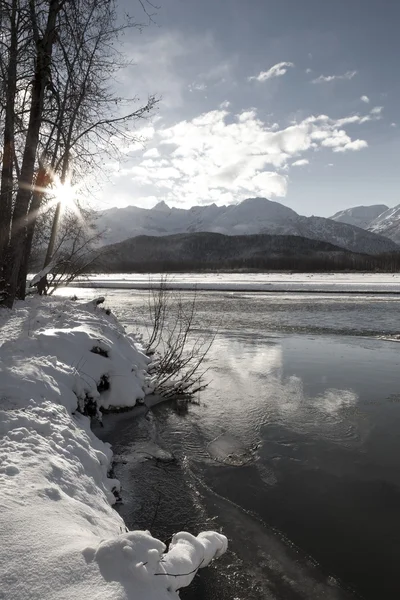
point(388, 224)
point(252, 216)
point(377, 218)
point(360, 216)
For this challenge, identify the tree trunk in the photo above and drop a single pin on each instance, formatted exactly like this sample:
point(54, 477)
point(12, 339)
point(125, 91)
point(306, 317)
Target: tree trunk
point(6, 189)
point(42, 180)
point(53, 235)
point(44, 48)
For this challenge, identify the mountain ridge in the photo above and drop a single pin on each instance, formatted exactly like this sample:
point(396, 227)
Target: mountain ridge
point(250, 217)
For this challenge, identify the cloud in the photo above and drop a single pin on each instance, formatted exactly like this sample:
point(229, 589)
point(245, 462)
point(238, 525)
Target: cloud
point(276, 71)
point(354, 146)
point(152, 153)
point(197, 86)
point(223, 157)
point(301, 163)
point(376, 110)
point(329, 78)
point(269, 183)
point(364, 99)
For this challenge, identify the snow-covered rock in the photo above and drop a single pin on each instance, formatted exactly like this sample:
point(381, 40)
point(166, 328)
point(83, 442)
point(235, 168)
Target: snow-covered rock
point(359, 216)
point(59, 535)
point(252, 216)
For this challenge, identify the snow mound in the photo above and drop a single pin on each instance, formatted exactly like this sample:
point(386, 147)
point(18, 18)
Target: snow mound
point(138, 561)
point(60, 537)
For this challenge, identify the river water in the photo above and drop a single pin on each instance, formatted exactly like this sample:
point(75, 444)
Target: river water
point(293, 450)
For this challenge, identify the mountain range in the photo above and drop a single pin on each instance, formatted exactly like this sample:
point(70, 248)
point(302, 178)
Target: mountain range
point(377, 218)
point(252, 216)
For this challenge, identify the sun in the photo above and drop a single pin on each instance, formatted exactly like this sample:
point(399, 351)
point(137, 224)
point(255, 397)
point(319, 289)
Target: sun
point(64, 193)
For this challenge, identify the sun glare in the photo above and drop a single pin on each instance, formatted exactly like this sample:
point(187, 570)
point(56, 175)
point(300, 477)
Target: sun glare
point(64, 193)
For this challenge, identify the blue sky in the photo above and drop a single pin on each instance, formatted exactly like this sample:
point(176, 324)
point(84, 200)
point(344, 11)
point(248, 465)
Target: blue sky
point(296, 101)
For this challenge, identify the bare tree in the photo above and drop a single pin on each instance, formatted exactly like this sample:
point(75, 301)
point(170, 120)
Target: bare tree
point(76, 249)
point(59, 112)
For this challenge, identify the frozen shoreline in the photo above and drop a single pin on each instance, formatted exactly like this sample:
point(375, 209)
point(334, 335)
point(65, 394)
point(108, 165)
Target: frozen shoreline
point(60, 536)
point(352, 283)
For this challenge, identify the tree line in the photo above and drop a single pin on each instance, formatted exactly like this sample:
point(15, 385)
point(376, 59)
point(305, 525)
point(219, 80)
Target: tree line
point(388, 263)
point(58, 119)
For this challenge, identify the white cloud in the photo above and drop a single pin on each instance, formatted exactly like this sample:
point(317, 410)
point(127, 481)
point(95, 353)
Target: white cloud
point(377, 110)
point(150, 162)
point(308, 71)
point(329, 78)
point(354, 146)
point(135, 140)
point(364, 99)
point(246, 115)
point(225, 104)
point(152, 153)
point(276, 71)
point(269, 183)
point(393, 124)
point(301, 163)
point(222, 157)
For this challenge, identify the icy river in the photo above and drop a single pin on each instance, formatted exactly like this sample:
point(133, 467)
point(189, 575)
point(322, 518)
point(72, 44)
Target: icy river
point(293, 450)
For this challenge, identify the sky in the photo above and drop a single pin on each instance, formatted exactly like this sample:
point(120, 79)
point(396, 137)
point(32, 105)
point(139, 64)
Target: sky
point(293, 101)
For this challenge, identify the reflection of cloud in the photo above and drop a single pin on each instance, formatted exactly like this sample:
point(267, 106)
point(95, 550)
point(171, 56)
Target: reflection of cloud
point(302, 413)
point(333, 401)
point(251, 376)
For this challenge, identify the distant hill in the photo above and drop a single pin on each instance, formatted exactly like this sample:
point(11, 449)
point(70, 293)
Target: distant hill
point(359, 216)
point(193, 251)
point(252, 216)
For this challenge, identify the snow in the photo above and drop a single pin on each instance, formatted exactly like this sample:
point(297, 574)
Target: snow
point(374, 283)
point(60, 537)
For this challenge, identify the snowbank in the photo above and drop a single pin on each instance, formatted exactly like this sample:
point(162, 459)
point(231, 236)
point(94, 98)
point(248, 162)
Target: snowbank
point(59, 536)
point(371, 283)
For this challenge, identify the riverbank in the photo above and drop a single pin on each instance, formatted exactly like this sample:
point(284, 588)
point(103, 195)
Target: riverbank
point(61, 361)
point(313, 283)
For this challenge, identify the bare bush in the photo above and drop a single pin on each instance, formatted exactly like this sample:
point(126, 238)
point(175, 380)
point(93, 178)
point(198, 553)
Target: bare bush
point(177, 343)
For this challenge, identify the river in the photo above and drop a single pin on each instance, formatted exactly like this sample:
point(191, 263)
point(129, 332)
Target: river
point(293, 450)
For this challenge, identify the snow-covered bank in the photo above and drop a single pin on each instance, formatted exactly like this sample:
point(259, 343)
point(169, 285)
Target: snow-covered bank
point(376, 283)
point(59, 536)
